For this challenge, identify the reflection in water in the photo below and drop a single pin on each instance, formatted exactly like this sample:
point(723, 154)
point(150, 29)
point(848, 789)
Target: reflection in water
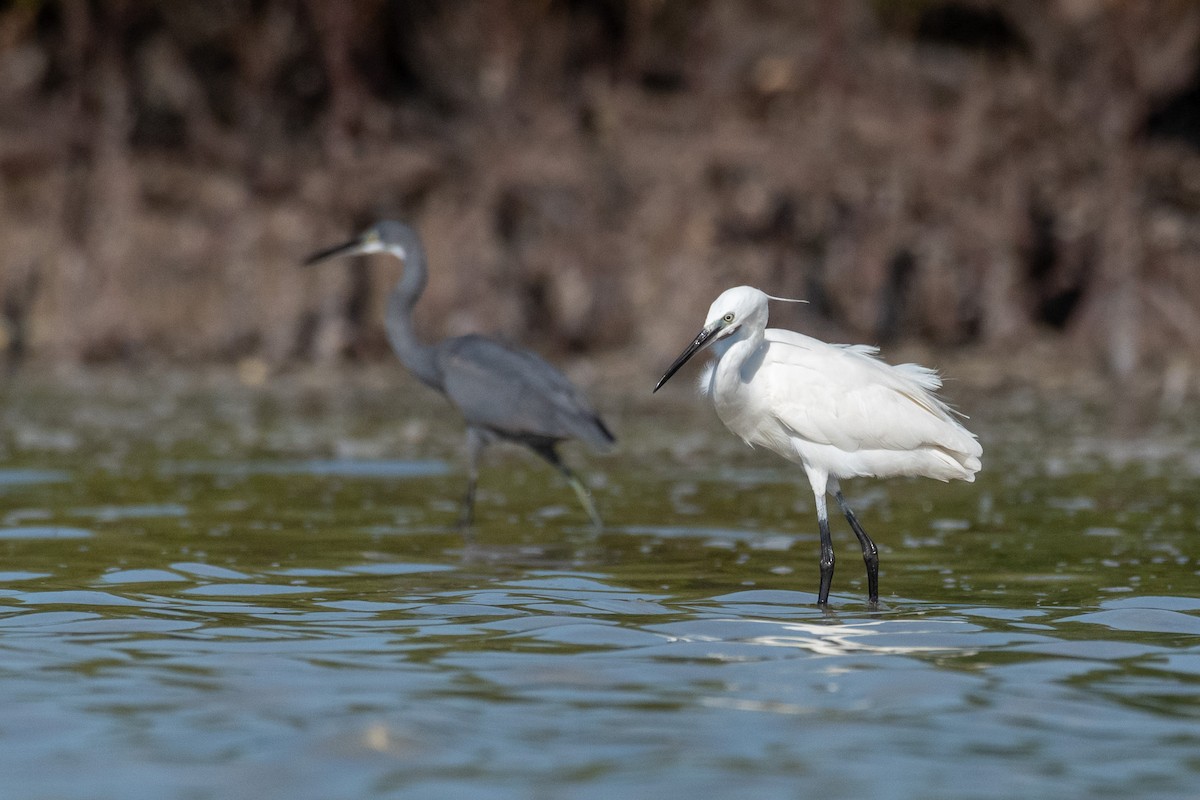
point(870, 637)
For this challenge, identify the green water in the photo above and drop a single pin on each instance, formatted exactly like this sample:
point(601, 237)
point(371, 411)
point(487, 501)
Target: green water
point(211, 591)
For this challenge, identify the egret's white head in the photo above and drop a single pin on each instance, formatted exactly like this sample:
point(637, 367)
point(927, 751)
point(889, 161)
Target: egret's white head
point(737, 309)
point(740, 310)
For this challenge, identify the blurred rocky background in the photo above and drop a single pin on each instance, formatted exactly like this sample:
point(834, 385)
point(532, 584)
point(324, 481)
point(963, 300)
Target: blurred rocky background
point(1019, 181)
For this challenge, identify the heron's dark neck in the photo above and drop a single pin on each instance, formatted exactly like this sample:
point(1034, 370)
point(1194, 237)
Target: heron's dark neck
point(418, 357)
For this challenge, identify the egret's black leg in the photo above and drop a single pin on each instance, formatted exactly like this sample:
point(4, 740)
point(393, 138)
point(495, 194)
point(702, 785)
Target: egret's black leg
point(475, 443)
point(869, 550)
point(827, 558)
point(548, 452)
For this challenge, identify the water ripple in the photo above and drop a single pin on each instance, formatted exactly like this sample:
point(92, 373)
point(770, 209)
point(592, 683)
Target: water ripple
point(44, 532)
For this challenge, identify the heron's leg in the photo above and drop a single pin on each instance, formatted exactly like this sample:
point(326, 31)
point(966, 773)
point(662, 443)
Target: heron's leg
point(869, 550)
point(475, 443)
point(548, 452)
point(827, 558)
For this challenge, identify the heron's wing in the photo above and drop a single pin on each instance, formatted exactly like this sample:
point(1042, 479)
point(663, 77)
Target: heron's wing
point(516, 393)
point(843, 395)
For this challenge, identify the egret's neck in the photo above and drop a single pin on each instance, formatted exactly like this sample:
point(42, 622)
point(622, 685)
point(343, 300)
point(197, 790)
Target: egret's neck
point(734, 364)
point(418, 357)
point(732, 351)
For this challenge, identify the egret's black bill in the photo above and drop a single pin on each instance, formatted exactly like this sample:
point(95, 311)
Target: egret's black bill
point(345, 249)
point(702, 339)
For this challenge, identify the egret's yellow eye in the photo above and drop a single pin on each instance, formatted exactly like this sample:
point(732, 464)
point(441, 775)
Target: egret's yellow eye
point(728, 317)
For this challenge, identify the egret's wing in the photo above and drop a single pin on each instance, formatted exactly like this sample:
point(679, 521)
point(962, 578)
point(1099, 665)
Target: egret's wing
point(516, 392)
point(842, 395)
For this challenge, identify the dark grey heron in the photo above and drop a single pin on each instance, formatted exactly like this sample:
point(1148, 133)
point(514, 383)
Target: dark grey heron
point(503, 392)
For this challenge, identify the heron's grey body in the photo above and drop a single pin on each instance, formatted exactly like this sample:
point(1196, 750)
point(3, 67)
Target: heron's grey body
point(503, 392)
point(836, 410)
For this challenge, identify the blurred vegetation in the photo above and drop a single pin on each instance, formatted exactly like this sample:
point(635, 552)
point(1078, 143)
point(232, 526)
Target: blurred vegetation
point(590, 173)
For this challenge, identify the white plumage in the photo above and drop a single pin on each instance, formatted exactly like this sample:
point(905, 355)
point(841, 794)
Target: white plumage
point(837, 410)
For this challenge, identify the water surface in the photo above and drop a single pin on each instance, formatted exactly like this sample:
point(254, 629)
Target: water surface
point(209, 591)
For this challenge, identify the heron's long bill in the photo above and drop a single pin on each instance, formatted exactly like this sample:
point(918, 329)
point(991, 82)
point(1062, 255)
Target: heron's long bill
point(345, 249)
point(702, 340)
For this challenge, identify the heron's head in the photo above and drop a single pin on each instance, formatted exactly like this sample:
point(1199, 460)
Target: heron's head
point(387, 236)
point(737, 310)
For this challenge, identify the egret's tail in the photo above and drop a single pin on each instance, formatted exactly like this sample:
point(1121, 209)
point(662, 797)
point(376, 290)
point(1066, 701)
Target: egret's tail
point(958, 465)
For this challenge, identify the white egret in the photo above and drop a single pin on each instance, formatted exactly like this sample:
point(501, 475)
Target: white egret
point(835, 409)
